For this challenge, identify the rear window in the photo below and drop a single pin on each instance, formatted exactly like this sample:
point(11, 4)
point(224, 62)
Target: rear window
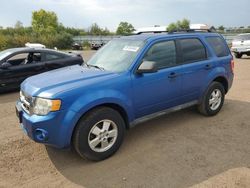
point(218, 46)
point(192, 50)
point(50, 57)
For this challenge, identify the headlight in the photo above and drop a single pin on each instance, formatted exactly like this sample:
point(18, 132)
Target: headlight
point(44, 106)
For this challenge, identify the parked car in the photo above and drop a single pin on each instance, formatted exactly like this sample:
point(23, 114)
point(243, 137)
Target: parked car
point(241, 45)
point(96, 45)
point(128, 81)
point(17, 64)
point(76, 46)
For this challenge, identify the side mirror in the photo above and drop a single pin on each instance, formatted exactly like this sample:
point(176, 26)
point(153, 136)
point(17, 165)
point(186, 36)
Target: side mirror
point(5, 65)
point(147, 67)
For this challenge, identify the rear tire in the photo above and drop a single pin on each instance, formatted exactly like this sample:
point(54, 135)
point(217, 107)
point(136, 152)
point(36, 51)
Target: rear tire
point(238, 55)
point(99, 134)
point(213, 99)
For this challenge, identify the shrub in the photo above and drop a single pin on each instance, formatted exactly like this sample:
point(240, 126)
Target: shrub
point(3, 42)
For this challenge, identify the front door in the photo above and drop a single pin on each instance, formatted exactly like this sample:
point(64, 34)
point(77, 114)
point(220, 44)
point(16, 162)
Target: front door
point(153, 92)
point(23, 66)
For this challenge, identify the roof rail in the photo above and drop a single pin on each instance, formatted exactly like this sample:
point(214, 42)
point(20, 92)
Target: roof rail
point(141, 32)
point(191, 30)
point(178, 31)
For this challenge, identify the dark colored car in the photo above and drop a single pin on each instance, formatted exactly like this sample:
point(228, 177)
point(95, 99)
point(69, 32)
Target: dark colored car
point(76, 46)
point(19, 63)
point(96, 45)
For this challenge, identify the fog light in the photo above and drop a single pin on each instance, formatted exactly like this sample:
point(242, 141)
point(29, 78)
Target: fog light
point(41, 135)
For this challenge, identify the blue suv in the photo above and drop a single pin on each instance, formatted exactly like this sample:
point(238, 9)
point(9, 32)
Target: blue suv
point(128, 81)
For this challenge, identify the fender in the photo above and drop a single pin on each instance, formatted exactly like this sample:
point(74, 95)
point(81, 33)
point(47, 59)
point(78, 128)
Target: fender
point(92, 99)
point(215, 73)
point(89, 101)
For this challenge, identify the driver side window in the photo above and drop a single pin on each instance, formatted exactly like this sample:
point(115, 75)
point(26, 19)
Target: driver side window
point(163, 53)
point(18, 59)
point(25, 58)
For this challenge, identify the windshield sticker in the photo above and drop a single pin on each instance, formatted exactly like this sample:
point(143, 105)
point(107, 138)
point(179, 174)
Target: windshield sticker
point(131, 48)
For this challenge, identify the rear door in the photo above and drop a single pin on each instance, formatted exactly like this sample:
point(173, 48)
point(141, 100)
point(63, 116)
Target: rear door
point(52, 60)
point(57, 60)
point(153, 92)
point(196, 66)
point(222, 53)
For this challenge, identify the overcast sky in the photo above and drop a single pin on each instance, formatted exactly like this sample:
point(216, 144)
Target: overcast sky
point(108, 13)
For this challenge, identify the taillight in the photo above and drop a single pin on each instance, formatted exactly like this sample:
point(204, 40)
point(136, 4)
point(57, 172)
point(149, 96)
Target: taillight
point(232, 66)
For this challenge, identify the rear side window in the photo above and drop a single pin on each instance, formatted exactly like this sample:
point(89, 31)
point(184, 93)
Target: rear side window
point(163, 53)
point(218, 45)
point(50, 57)
point(192, 50)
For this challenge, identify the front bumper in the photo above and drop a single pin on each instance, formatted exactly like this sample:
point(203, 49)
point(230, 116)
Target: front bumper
point(54, 129)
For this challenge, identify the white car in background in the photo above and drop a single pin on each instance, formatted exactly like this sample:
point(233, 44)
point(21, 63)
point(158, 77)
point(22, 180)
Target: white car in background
point(241, 45)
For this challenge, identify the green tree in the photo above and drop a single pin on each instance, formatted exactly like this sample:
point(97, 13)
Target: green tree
point(172, 27)
point(179, 25)
point(184, 24)
point(125, 28)
point(44, 22)
point(63, 40)
point(18, 25)
point(221, 28)
point(105, 31)
point(3, 42)
point(95, 29)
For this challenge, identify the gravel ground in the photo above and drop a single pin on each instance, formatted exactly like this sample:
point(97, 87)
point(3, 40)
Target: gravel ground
point(177, 150)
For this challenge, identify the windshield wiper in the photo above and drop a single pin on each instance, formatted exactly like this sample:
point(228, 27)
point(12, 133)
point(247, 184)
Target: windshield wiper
point(95, 66)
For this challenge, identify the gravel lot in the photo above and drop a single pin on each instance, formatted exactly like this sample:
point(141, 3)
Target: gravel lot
point(178, 150)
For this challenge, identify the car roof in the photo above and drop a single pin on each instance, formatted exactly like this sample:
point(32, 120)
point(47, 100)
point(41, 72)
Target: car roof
point(28, 49)
point(156, 36)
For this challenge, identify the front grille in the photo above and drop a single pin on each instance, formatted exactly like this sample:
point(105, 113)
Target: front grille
point(26, 102)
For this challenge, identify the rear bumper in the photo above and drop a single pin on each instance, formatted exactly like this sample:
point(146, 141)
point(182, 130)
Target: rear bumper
point(54, 129)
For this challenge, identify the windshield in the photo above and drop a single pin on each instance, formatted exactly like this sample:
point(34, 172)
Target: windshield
point(4, 54)
point(117, 55)
point(242, 37)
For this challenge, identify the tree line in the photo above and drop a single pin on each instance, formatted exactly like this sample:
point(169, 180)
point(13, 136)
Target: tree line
point(46, 29)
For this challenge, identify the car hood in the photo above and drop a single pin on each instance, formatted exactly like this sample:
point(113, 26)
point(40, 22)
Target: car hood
point(56, 81)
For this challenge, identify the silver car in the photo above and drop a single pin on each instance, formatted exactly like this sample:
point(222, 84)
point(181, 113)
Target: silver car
point(241, 45)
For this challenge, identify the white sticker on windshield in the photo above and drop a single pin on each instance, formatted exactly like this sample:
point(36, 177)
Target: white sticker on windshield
point(131, 48)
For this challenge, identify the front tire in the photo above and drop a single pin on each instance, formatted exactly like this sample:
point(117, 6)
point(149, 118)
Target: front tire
point(99, 134)
point(213, 99)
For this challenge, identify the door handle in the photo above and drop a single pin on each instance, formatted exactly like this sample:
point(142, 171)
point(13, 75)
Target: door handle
point(172, 75)
point(208, 66)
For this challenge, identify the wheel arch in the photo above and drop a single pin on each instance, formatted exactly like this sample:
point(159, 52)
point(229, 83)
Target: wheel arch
point(223, 81)
point(213, 77)
point(114, 106)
